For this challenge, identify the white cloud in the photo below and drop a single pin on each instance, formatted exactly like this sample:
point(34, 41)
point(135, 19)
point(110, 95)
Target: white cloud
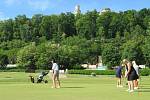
point(12, 2)
point(39, 4)
point(2, 16)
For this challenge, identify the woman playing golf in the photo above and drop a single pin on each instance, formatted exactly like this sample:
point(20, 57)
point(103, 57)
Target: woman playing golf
point(136, 67)
point(119, 76)
point(55, 75)
point(130, 74)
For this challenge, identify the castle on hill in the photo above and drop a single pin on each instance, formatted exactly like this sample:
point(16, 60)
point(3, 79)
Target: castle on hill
point(78, 10)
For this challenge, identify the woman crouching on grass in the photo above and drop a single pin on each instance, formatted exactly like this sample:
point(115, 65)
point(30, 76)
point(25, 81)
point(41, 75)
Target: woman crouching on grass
point(55, 75)
point(130, 74)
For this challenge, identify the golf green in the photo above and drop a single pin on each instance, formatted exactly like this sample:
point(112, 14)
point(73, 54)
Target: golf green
point(17, 86)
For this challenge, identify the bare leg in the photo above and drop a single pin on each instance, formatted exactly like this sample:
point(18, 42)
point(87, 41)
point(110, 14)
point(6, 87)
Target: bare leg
point(58, 82)
point(117, 82)
point(54, 81)
point(132, 85)
point(120, 81)
point(129, 85)
point(135, 83)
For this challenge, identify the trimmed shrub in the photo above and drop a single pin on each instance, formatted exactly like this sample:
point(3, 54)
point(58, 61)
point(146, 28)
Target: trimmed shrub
point(93, 74)
point(145, 72)
point(13, 70)
point(88, 72)
point(21, 70)
point(77, 67)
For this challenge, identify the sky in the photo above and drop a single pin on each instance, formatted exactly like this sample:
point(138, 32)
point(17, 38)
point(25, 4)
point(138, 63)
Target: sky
point(12, 8)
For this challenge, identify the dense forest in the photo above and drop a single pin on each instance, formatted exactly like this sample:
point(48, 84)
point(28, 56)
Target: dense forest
point(75, 39)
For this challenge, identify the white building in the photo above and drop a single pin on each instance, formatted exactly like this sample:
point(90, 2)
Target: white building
point(11, 66)
point(104, 10)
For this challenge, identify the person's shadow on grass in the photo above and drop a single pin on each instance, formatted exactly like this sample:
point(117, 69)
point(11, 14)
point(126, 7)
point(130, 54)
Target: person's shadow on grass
point(144, 89)
point(76, 87)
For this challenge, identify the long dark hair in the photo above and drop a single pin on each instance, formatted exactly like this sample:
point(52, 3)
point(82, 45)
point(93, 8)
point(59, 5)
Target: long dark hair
point(54, 61)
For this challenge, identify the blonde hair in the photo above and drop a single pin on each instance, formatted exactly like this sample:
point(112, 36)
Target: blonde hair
point(125, 61)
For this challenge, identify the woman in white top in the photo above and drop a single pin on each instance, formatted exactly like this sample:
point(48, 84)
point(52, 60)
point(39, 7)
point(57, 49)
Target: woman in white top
point(55, 75)
point(136, 67)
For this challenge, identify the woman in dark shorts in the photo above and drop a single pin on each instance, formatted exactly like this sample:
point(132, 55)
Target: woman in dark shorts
point(119, 76)
point(130, 74)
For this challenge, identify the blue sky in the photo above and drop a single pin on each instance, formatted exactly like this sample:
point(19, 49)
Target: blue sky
point(12, 8)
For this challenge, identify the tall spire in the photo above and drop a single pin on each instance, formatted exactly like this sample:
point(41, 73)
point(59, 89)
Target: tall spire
point(77, 10)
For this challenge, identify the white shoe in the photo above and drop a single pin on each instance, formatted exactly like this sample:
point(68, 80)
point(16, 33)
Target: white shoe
point(58, 87)
point(128, 90)
point(136, 88)
point(120, 86)
point(52, 87)
point(131, 91)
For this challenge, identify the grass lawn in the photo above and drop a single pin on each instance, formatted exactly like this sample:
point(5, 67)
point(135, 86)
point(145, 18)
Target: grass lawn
point(17, 86)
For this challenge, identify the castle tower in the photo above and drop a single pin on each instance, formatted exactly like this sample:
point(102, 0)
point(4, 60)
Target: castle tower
point(77, 10)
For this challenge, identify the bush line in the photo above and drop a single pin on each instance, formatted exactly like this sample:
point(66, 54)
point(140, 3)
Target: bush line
point(143, 72)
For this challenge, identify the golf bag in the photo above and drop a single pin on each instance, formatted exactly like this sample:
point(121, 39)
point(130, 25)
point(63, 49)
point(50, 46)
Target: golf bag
point(41, 77)
point(31, 78)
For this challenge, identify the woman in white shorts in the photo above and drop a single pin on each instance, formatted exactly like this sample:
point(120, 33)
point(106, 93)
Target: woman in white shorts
point(55, 75)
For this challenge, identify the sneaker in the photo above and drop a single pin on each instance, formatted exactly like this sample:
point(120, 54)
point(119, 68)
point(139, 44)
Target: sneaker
point(128, 90)
point(58, 87)
point(131, 91)
point(52, 87)
point(136, 88)
point(120, 86)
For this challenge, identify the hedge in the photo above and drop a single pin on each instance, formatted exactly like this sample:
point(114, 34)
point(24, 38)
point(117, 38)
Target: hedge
point(12, 70)
point(89, 72)
point(143, 72)
point(23, 70)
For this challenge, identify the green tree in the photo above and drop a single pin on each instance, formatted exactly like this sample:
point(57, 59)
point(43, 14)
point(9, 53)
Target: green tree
point(6, 30)
point(86, 25)
point(36, 21)
point(66, 24)
point(46, 27)
point(110, 55)
point(73, 51)
point(103, 23)
point(146, 50)
point(45, 53)
point(3, 59)
point(26, 57)
point(132, 50)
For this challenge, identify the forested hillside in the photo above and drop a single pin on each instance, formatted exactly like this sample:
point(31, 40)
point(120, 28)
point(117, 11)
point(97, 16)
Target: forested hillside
point(75, 39)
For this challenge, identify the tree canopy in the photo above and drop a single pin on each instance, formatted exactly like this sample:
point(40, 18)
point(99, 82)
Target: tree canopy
point(76, 39)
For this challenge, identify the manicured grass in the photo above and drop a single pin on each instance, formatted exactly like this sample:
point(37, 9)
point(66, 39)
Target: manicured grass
point(17, 86)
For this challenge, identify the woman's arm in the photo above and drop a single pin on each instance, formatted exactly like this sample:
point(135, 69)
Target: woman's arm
point(129, 68)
